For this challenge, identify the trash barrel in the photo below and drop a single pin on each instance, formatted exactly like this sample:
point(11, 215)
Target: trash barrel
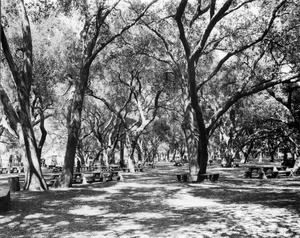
point(14, 184)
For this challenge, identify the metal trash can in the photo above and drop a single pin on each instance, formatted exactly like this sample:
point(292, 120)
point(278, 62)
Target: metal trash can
point(14, 184)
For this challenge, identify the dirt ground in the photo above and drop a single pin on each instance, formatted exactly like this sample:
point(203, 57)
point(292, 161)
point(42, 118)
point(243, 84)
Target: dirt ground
point(154, 204)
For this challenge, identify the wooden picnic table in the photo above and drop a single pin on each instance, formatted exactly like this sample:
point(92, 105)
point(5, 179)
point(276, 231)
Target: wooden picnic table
point(115, 167)
point(50, 178)
point(269, 171)
point(95, 176)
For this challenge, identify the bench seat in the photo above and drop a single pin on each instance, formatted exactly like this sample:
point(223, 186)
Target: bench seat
point(209, 176)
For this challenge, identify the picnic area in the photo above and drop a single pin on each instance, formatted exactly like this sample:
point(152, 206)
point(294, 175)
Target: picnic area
point(153, 203)
point(149, 119)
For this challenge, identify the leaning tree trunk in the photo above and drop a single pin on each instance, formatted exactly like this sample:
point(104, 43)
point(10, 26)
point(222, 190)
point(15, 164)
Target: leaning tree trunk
point(21, 122)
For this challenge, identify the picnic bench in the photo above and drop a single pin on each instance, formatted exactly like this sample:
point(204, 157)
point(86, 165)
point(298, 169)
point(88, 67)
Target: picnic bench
point(136, 169)
point(139, 169)
point(4, 170)
point(96, 176)
point(115, 168)
point(50, 179)
point(77, 177)
point(267, 171)
point(111, 176)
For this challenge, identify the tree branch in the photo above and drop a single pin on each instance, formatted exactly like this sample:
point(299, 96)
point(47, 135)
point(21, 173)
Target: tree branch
point(103, 45)
point(182, 36)
point(243, 48)
point(255, 89)
point(9, 58)
point(9, 111)
point(214, 20)
point(199, 12)
point(27, 46)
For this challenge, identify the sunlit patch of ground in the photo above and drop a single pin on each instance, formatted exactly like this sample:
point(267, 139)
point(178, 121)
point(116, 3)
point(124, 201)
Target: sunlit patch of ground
point(155, 204)
point(88, 211)
point(184, 199)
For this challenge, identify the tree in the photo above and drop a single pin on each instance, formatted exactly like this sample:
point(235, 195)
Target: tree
point(95, 37)
point(157, 134)
point(138, 109)
point(214, 21)
point(283, 50)
point(20, 119)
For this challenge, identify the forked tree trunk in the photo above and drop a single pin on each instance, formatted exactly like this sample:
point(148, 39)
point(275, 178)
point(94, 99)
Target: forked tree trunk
point(34, 180)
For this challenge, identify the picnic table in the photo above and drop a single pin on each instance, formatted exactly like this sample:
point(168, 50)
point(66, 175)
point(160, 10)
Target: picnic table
point(115, 168)
point(268, 171)
point(50, 178)
point(96, 176)
point(91, 169)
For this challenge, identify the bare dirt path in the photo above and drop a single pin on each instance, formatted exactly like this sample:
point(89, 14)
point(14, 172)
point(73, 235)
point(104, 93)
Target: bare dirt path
point(155, 204)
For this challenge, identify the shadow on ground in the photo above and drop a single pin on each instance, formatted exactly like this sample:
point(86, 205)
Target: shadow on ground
point(155, 204)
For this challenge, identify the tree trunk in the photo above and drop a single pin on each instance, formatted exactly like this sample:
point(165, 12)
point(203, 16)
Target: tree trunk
point(139, 151)
point(131, 161)
point(68, 168)
point(247, 153)
point(122, 160)
point(202, 152)
point(33, 174)
point(74, 124)
point(20, 121)
point(34, 180)
point(191, 143)
point(105, 158)
point(133, 144)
